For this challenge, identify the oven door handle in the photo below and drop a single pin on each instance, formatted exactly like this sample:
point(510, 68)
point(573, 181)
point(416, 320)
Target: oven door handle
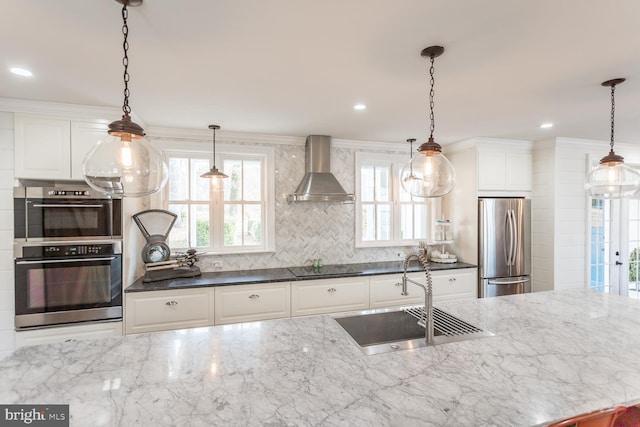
point(40, 205)
point(66, 260)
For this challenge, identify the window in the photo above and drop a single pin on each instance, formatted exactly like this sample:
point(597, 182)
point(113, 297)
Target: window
point(386, 215)
point(236, 218)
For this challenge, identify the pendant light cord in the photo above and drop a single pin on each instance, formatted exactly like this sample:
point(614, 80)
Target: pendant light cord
point(431, 93)
point(613, 110)
point(125, 60)
point(213, 159)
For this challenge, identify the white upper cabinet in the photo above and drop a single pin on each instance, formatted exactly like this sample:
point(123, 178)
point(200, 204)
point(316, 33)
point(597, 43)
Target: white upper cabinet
point(53, 148)
point(504, 169)
point(42, 148)
point(84, 136)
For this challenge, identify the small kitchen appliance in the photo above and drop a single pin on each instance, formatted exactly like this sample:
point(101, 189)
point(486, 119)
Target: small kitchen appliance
point(155, 225)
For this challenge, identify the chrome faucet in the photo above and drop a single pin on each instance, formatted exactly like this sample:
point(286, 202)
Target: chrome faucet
point(428, 293)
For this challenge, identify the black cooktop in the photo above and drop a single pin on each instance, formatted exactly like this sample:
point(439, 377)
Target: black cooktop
point(326, 270)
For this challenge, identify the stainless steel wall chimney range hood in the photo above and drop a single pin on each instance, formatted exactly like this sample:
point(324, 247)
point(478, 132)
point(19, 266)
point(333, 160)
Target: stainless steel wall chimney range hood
point(318, 183)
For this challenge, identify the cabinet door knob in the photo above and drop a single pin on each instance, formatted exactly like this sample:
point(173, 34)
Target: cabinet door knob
point(398, 284)
point(453, 279)
point(170, 303)
point(254, 296)
point(331, 290)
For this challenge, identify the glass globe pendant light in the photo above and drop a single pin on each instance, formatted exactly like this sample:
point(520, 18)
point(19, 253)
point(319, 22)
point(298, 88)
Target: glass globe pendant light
point(434, 174)
point(410, 180)
point(612, 178)
point(214, 174)
point(124, 163)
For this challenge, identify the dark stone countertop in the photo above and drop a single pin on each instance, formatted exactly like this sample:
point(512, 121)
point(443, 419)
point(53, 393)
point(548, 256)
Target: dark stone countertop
point(265, 275)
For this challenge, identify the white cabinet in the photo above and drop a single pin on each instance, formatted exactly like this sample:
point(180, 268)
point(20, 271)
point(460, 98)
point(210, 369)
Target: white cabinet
point(84, 136)
point(53, 148)
point(68, 333)
point(502, 170)
point(170, 309)
point(385, 291)
point(42, 147)
point(329, 295)
point(454, 284)
point(246, 303)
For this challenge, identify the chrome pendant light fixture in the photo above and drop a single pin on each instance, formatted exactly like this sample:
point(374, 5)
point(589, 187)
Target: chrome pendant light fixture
point(124, 163)
point(612, 178)
point(214, 174)
point(434, 174)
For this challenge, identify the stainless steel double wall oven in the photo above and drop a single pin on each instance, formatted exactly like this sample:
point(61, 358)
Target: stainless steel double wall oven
point(68, 256)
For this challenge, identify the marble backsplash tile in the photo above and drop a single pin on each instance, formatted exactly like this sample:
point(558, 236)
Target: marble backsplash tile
point(305, 231)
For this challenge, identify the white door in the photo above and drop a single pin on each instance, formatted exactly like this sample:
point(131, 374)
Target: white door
point(615, 246)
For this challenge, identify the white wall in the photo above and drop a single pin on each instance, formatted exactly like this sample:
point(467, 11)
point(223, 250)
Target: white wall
point(561, 209)
point(7, 340)
point(543, 216)
point(461, 205)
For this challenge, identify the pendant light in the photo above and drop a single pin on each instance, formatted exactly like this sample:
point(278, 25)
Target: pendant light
point(214, 174)
point(124, 162)
point(612, 179)
point(434, 174)
point(410, 180)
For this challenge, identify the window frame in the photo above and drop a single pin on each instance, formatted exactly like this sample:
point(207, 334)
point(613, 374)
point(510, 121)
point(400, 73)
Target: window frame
point(395, 162)
point(216, 202)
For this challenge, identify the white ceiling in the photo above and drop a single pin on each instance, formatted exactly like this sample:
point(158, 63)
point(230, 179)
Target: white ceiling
point(296, 67)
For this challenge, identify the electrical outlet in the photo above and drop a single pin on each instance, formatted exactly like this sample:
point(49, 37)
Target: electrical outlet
point(217, 265)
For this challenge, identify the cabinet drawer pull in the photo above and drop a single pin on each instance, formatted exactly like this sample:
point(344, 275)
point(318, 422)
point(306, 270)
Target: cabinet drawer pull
point(331, 290)
point(254, 296)
point(171, 303)
point(453, 279)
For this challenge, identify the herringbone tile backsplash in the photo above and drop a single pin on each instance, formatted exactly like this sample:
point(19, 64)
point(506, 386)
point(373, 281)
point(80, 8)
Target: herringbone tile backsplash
point(305, 231)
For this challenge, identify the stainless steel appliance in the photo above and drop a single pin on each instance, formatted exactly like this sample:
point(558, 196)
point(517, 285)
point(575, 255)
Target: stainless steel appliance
point(67, 283)
point(65, 212)
point(504, 247)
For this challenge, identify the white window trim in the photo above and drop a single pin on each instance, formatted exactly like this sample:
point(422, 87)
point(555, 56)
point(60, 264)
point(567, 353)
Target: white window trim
point(200, 150)
point(397, 162)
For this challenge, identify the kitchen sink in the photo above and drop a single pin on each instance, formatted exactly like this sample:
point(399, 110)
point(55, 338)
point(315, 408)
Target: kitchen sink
point(385, 331)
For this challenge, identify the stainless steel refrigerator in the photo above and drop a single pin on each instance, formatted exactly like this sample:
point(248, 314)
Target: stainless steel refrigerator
point(504, 246)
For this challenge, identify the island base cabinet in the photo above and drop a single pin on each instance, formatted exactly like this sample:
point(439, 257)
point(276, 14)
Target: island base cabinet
point(386, 291)
point(167, 310)
point(247, 303)
point(90, 330)
point(329, 296)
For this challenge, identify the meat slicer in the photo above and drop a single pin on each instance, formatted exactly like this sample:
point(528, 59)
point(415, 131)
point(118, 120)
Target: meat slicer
point(155, 225)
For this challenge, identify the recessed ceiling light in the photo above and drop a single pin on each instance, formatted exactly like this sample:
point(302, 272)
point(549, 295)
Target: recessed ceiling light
point(546, 125)
point(21, 72)
point(359, 107)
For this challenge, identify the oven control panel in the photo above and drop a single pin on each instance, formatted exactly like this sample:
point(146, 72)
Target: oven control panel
point(68, 250)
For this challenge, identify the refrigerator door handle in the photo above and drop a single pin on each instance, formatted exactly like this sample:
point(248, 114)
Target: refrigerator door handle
point(514, 237)
point(510, 221)
point(509, 282)
point(507, 238)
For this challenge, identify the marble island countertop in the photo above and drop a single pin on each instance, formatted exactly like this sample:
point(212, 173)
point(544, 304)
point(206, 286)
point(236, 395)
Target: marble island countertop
point(223, 278)
point(554, 354)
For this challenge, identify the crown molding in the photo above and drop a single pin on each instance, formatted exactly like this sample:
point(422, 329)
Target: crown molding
point(490, 143)
point(70, 111)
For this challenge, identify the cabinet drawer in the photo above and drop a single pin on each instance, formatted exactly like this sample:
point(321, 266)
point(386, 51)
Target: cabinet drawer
point(329, 296)
point(385, 291)
point(68, 333)
point(454, 284)
point(246, 303)
point(163, 310)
